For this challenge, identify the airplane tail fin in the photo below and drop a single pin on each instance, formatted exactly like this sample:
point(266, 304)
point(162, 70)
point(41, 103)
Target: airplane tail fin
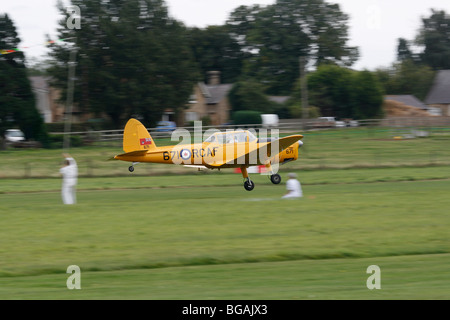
point(136, 137)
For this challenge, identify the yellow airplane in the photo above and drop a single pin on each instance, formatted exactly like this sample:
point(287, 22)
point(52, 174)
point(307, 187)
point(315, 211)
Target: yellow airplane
point(231, 149)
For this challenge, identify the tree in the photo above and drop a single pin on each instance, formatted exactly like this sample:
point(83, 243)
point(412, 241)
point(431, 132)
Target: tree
point(344, 93)
point(367, 96)
point(434, 37)
point(330, 89)
point(134, 60)
point(406, 77)
point(215, 50)
point(279, 34)
point(249, 95)
point(17, 101)
point(403, 50)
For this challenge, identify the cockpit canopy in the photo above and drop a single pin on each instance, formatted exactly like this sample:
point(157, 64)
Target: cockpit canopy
point(231, 137)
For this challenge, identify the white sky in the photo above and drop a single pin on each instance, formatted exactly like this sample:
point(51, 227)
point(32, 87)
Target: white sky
point(375, 25)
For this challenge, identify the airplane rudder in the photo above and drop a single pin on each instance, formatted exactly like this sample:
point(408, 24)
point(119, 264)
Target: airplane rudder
point(136, 137)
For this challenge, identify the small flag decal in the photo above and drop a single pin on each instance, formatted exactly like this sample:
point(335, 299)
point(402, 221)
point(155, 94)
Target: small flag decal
point(145, 141)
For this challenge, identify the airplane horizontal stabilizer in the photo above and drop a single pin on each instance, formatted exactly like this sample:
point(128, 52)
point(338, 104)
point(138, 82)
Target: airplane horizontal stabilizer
point(138, 153)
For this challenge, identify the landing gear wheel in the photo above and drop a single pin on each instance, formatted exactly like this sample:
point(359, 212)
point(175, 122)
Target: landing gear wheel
point(275, 178)
point(131, 168)
point(249, 185)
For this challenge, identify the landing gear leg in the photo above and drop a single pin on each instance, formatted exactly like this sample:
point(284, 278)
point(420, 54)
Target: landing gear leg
point(248, 184)
point(274, 177)
point(131, 168)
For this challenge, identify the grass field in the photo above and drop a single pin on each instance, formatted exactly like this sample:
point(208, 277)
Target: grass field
point(176, 236)
point(352, 148)
point(210, 241)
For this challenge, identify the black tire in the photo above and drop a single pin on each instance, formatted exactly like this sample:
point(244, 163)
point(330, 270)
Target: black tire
point(131, 168)
point(249, 185)
point(275, 178)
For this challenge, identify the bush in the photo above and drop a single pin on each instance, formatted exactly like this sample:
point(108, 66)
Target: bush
point(247, 117)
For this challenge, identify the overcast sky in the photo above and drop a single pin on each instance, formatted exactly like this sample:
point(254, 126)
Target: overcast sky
point(375, 25)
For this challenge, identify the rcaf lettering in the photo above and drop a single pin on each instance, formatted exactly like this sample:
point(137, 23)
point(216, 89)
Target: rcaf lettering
point(196, 153)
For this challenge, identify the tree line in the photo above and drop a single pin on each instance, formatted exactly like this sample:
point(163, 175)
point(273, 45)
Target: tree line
point(134, 59)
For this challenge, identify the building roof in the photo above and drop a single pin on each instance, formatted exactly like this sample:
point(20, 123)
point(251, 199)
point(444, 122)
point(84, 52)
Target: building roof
point(440, 91)
point(408, 100)
point(215, 93)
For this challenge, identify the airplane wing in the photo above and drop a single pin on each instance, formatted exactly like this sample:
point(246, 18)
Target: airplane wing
point(267, 151)
point(283, 143)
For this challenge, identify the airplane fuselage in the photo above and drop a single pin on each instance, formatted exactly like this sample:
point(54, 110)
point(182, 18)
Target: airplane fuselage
point(211, 155)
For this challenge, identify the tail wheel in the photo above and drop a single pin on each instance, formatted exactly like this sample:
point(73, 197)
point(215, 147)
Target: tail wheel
point(249, 185)
point(131, 168)
point(275, 178)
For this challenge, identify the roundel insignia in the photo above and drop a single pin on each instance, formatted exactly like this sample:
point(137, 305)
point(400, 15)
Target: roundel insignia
point(185, 154)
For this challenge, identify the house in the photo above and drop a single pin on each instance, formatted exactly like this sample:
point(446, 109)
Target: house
point(407, 106)
point(439, 94)
point(41, 90)
point(210, 101)
point(408, 100)
point(47, 101)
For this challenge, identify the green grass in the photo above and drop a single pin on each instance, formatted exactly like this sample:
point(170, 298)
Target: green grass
point(405, 277)
point(227, 178)
point(339, 149)
point(168, 232)
point(152, 233)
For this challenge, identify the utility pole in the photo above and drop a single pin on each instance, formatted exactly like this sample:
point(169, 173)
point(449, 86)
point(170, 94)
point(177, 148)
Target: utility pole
point(69, 102)
point(304, 90)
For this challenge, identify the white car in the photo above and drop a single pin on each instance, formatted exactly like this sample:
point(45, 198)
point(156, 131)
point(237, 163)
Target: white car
point(269, 120)
point(14, 135)
point(340, 124)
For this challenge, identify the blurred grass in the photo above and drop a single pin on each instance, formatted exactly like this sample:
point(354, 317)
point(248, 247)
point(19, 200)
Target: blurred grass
point(226, 178)
point(402, 277)
point(340, 149)
point(225, 243)
point(156, 234)
point(127, 229)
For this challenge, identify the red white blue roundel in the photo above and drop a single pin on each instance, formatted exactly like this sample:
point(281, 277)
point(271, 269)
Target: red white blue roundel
point(185, 154)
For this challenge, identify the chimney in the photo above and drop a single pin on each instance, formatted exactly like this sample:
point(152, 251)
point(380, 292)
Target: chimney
point(213, 78)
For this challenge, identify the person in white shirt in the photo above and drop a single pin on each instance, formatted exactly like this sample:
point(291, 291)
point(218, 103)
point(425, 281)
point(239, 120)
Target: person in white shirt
point(293, 187)
point(69, 172)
